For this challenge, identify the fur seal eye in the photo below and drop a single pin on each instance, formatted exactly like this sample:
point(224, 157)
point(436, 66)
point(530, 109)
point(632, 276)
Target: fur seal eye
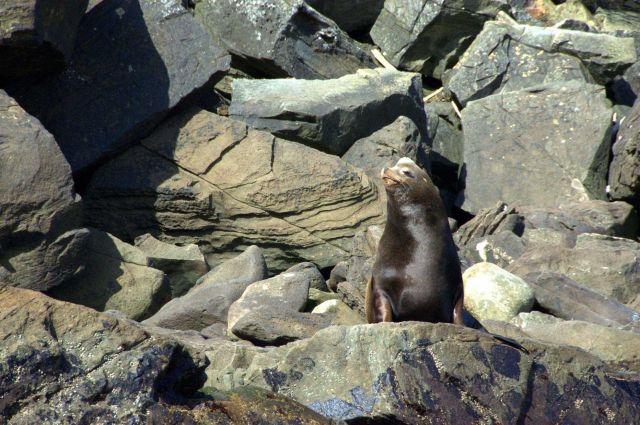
point(408, 173)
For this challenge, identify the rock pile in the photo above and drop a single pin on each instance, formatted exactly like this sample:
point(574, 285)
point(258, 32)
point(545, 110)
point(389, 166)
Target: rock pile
point(190, 208)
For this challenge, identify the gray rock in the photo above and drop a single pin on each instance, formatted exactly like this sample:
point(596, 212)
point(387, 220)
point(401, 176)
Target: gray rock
point(208, 302)
point(489, 221)
point(340, 313)
point(282, 38)
point(332, 114)
point(36, 37)
point(116, 276)
point(416, 373)
point(500, 249)
point(317, 297)
point(39, 247)
point(209, 180)
point(428, 37)
point(625, 88)
point(183, 265)
point(535, 133)
point(338, 274)
point(113, 92)
point(64, 363)
point(492, 293)
point(624, 171)
point(351, 16)
point(352, 294)
point(444, 129)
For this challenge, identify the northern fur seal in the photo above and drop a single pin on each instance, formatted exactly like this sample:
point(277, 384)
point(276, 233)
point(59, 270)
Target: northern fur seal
point(416, 274)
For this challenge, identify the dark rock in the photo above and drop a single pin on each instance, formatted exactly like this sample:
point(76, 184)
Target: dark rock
point(352, 16)
point(500, 249)
point(37, 37)
point(39, 244)
point(624, 171)
point(489, 221)
point(283, 38)
point(352, 294)
point(625, 88)
point(535, 133)
point(114, 91)
point(332, 114)
point(428, 37)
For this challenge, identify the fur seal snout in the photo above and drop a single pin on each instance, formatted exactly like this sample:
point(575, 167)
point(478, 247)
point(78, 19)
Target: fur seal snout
point(416, 275)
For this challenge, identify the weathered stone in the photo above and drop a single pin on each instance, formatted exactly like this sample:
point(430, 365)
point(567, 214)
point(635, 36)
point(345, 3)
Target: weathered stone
point(352, 294)
point(205, 179)
point(317, 297)
point(489, 221)
point(351, 16)
point(605, 264)
point(500, 249)
point(625, 88)
point(38, 247)
point(64, 363)
point(208, 302)
point(332, 114)
point(614, 346)
point(492, 293)
point(282, 38)
point(416, 373)
point(428, 37)
point(617, 21)
point(624, 171)
point(567, 299)
point(36, 37)
point(183, 265)
point(556, 135)
point(116, 276)
point(340, 313)
point(114, 91)
point(338, 274)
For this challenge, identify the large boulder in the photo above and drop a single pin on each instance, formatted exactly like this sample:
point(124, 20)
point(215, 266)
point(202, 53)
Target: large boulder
point(39, 244)
point(282, 38)
point(624, 171)
point(416, 373)
point(332, 114)
point(352, 16)
point(556, 136)
point(114, 91)
point(36, 37)
point(208, 302)
point(205, 179)
point(428, 36)
point(64, 363)
point(508, 57)
point(116, 276)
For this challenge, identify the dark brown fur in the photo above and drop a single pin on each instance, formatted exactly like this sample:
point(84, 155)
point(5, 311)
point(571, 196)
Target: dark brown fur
point(416, 275)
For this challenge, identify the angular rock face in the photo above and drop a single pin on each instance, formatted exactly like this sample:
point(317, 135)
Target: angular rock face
point(351, 16)
point(113, 92)
point(557, 136)
point(428, 36)
point(522, 56)
point(414, 373)
point(116, 276)
point(63, 363)
point(624, 172)
point(332, 114)
point(39, 246)
point(37, 37)
point(205, 179)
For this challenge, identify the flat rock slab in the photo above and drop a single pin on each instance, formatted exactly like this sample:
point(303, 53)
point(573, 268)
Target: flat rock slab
point(428, 36)
point(624, 172)
point(282, 38)
point(329, 115)
point(508, 57)
point(114, 91)
point(416, 373)
point(208, 302)
point(556, 136)
point(205, 179)
point(37, 37)
point(39, 245)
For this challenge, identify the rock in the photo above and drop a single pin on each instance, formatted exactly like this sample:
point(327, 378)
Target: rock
point(363, 251)
point(539, 128)
point(265, 326)
point(624, 171)
point(317, 297)
point(625, 88)
point(500, 249)
point(489, 221)
point(113, 92)
point(39, 245)
point(117, 276)
point(64, 363)
point(428, 37)
point(338, 274)
point(340, 312)
point(352, 294)
point(332, 114)
point(567, 299)
point(37, 38)
point(183, 265)
point(493, 293)
point(286, 292)
point(615, 21)
point(352, 16)
point(614, 346)
point(285, 38)
point(209, 180)
point(605, 264)
point(415, 373)
point(208, 302)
